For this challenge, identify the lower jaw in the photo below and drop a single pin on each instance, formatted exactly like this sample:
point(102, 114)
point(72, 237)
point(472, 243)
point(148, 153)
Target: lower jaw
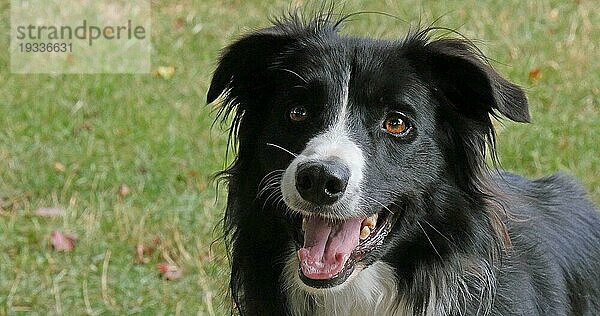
point(328, 283)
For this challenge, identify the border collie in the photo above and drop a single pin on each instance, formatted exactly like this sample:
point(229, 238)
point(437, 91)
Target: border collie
point(360, 184)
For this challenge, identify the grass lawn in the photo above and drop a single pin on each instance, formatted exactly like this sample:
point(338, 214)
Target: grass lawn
point(71, 141)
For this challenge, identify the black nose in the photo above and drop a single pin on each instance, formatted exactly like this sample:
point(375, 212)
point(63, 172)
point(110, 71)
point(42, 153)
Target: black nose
point(322, 182)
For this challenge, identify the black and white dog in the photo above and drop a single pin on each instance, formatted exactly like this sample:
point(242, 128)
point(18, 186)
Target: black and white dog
point(360, 185)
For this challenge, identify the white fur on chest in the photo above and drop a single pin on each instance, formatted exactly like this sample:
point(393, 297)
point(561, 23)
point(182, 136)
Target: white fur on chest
point(372, 291)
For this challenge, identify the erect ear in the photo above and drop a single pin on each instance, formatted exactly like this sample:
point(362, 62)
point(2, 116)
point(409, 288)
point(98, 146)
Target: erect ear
point(464, 77)
point(244, 64)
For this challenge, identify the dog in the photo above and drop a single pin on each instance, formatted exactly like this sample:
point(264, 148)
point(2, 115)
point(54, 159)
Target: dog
point(360, 184)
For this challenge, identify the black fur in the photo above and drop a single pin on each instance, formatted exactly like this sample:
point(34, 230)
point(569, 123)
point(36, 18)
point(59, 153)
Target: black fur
point(492, 243)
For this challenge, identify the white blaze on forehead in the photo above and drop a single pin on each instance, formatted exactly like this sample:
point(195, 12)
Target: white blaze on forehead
point(334, 143)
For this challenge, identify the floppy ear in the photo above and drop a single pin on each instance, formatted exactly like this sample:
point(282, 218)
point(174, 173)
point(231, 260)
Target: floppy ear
point(464, 78)
point(244, 65)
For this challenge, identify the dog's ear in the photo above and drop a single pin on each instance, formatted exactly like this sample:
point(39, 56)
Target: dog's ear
point(463, 76)
point(244, 64)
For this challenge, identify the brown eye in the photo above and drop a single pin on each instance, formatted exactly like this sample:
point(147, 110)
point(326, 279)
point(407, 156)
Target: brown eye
point(298, 114)
point(396, 124)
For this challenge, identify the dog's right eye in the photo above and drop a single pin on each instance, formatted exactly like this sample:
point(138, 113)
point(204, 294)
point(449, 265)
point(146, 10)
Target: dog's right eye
point(298, 113)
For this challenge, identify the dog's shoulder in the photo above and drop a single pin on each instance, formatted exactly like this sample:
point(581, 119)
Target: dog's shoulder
point(550, 209)
point(555, 234)
point(556, 195)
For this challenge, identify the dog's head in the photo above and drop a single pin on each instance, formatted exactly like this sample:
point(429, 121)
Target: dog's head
point(345, 136)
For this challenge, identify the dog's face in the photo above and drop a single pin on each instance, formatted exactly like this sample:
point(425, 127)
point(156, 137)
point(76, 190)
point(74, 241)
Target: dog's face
point(343, 134)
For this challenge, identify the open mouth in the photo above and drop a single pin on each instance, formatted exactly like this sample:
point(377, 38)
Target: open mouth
point(330, 250)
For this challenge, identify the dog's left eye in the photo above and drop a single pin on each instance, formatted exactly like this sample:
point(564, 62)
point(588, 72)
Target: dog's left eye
point(298, 113)
point(396, 123)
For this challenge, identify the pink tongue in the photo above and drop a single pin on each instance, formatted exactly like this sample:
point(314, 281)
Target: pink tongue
point(327, 248)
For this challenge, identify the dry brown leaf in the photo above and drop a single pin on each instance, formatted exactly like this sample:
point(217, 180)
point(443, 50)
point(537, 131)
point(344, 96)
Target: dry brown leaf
point(165, 72)
point(169, 272)
point(85, 126)
point(13, 203)
point(62, 242)
point(140, 257)
point(553, 15)
point(5, 203)
point(142, 252)
point(59, 167)
point(49, 212)
point(535, 74)
point(178, 24)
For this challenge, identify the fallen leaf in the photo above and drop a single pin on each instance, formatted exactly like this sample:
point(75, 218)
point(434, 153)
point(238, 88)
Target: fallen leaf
point(59, 167)
point(49, 212)
point(13, 203)
point(123, 191)
point(142, 252)
point(85, 126)
point(535, 74)
point(553, 15)
point(5, 203)
point(165, 72)
point(140, 257)
point(192, 174)
point(178, 24)
point(69, 59)
point(62, 242)
point(169, 272)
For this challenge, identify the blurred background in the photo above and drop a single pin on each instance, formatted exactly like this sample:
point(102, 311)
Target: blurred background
point(106, 199)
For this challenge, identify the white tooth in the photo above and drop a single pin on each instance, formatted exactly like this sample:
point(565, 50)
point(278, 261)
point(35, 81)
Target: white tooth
point(370, 221)
point(365, 232)
point(304, 220)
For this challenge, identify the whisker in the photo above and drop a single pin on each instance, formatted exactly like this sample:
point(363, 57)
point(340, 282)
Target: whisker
point(268, 188)
point(295, 73)
point(270, 185)
point(450, 241)
point(268, 176)
point(273, 195)
point(287, 151)
point(430, 242)
point(271, 188)
point(382, 205)
point(299, 86)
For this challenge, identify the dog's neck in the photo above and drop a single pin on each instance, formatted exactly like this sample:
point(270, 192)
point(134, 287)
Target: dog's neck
point(442, 280)
point(377, 291)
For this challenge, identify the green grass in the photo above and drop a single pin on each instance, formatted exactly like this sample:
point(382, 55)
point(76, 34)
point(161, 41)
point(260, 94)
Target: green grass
point(154, 136)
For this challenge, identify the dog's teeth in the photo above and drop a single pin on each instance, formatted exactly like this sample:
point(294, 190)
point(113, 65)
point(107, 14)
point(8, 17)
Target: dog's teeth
point(304, 220)
point(365, 232)
point(370, 221)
